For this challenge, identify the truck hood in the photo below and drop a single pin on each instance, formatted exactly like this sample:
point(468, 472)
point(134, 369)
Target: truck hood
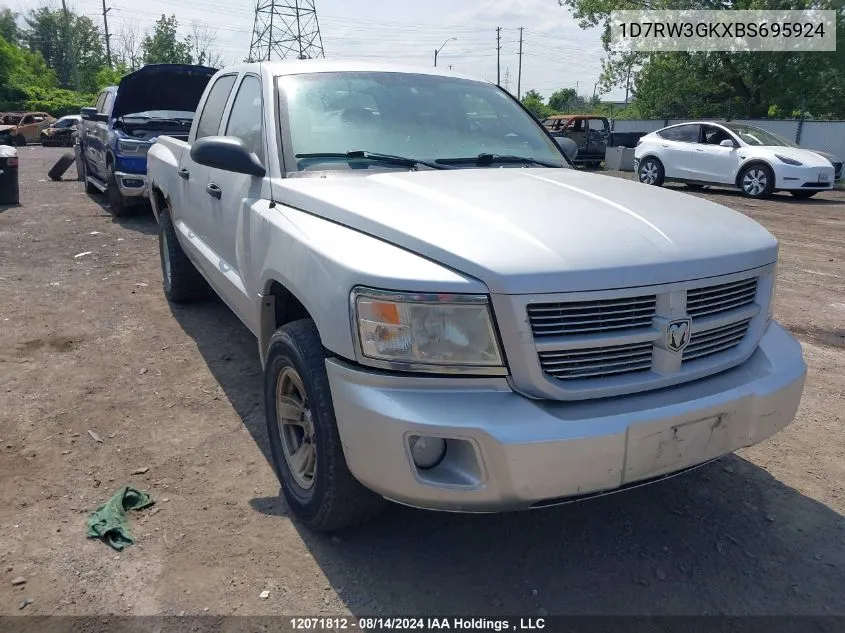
point(6, 128)
point(525, 231)
point(161, 87)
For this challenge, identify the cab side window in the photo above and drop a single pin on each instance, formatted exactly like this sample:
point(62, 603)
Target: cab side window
point(108, 102)
point(246, 117)
point(100, 100)
point(212, 112)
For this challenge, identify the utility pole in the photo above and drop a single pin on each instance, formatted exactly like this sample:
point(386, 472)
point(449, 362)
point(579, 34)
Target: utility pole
point(499, 56)
point(108, 37)
point(595, 85)
point(507, 80)
point(70, 58)
point(519, 76)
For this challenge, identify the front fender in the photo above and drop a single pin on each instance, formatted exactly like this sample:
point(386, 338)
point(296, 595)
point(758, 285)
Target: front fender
point(319, 262)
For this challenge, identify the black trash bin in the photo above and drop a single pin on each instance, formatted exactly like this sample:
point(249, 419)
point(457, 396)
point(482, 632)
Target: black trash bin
point(9, 188)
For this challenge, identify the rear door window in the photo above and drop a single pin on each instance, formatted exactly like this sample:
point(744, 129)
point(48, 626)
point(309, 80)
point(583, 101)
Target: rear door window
point(681, 133)
point(212, 112)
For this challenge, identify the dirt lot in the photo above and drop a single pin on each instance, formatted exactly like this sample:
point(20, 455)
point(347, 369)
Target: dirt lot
point(89, 343)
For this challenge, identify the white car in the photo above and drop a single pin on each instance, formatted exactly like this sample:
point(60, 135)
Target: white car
point(734, 154)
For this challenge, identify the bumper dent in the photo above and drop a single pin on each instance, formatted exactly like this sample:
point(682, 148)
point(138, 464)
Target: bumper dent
point(513, 453)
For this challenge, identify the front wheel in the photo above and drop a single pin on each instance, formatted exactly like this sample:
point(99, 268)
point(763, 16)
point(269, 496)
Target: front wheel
point(20, 140)
point(119, 207)
point(803, 195)
point(304, 439)
point(757, 181)
point(651, 172)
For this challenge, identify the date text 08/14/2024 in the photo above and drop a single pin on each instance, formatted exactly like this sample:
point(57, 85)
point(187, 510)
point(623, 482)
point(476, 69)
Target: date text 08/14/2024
point(416, 624)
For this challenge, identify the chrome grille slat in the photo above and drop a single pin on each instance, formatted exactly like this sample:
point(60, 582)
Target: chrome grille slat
point(725, 307)
point(561, 331)
point(714, 341)
point(721, 298)
point(595, 354)
point(728, 296)
point(581, 317)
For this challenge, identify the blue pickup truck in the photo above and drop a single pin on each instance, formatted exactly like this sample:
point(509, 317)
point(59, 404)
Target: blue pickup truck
point(115, 134)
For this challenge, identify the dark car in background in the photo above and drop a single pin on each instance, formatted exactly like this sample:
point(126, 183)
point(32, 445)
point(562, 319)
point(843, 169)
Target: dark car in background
point(115, 134)
point(60, 133)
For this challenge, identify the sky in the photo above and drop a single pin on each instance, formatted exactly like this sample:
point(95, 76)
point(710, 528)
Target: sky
point(556, 52)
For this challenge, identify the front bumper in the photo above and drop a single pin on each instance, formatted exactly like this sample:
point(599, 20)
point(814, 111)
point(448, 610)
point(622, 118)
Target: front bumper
point(507, 452)
point(131, 185)
point(789, 177)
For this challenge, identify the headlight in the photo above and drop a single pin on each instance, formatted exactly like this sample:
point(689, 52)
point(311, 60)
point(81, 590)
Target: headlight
point(789, 161)
point(426, 332)
point(132, 147)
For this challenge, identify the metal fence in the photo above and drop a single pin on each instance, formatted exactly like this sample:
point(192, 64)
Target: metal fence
point(826, 136)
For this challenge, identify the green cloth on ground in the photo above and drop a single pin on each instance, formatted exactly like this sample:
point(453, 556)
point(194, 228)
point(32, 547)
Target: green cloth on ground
point(109, 521)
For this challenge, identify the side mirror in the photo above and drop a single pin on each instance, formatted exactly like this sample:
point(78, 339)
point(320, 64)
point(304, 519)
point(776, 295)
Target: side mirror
point(88, 114)
point(727, 143)
point(227, 153)
point(569, 147)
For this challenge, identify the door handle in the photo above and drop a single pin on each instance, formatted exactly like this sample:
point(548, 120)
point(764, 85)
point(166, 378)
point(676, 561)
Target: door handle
point(662, 145)
point(698, 149)
point(214, 190)
point(184, 174)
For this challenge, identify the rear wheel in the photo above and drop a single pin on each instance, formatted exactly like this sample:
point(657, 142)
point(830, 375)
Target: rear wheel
point(757, 181)
point(20, 140)
point(803, 195)
point(181, 280)
point(651, 172)
point(304, 440)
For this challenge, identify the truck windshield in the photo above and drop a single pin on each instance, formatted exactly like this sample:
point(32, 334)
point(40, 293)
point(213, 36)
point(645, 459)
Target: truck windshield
point(440, 120)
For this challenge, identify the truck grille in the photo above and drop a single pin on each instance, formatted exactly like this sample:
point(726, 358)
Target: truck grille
point(721, 298)
point(591, 317)
point(597, 362)
point(714, 341)
point(581, 339)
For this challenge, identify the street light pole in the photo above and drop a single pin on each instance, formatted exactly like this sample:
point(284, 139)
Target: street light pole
point(437, 50)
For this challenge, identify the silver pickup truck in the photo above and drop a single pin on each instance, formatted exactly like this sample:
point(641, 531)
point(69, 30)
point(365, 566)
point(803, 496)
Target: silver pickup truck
point(448, 315)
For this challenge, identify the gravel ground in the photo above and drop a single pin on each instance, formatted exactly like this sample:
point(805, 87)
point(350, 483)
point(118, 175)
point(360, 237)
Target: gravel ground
point(90, 344)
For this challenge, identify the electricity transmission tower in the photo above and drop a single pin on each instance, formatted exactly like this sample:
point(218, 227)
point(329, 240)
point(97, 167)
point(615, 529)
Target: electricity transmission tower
point(285, 29)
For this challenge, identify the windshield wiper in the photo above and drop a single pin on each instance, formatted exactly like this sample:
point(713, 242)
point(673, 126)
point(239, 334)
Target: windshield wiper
point(376, 157)
point(484, 160)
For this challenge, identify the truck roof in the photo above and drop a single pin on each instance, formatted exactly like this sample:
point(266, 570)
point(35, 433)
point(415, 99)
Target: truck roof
point(295, 67)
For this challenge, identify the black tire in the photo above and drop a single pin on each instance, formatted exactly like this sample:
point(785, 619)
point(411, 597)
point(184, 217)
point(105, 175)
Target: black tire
point(181, 281)
point(20, 140)
point(335, 499)
point(757, 181)
point(695, 187)
point(803, 195)
point(119, 207)
point(651, 172)
point(62, 165)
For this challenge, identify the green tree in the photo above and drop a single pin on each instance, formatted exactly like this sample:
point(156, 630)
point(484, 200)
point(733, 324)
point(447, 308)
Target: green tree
point(720, 83)
point(562, 100)
point(9, 30)
point(534, 101)
point(73, 48)
point(164, 46)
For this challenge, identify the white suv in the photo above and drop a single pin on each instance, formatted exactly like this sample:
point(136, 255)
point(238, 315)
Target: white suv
point(734, 154)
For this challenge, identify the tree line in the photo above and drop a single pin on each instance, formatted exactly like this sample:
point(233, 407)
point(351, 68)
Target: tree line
point(56, 61)
point(721, 84)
